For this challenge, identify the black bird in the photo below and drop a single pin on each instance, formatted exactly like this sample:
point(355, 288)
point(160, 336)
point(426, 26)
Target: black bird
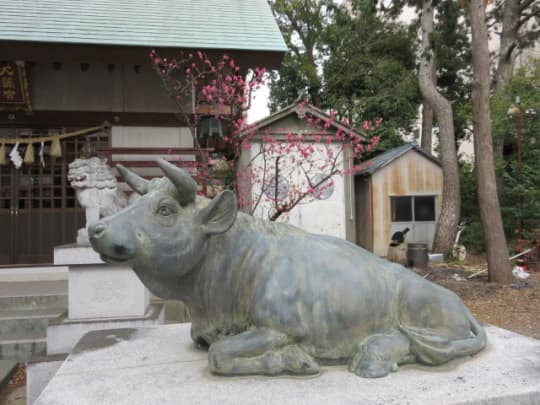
point(398, 237)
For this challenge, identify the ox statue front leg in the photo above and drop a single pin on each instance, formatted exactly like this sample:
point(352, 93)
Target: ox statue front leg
point(259, 351)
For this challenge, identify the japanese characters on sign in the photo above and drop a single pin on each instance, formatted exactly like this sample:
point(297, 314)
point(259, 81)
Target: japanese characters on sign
point(14, 87)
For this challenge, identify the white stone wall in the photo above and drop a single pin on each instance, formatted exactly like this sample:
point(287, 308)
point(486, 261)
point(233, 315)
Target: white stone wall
point(318, 216)
point(326, 217)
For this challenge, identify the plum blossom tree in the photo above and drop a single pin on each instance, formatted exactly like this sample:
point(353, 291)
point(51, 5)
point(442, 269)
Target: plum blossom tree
point(201, 87)
point(284, 171)
point(298, 168)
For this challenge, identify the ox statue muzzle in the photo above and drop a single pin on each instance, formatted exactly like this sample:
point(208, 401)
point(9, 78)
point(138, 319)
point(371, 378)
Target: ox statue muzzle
point(112, 250)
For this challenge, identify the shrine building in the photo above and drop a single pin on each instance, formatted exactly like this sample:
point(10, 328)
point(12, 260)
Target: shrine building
point(76, 76)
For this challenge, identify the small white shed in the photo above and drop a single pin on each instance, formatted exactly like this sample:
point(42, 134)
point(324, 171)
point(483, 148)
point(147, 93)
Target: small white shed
point(401, 188)
point(331, 213)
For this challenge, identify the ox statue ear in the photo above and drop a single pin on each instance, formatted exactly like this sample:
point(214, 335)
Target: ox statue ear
point(136, 182)
point(220, 214)
point(184, 183)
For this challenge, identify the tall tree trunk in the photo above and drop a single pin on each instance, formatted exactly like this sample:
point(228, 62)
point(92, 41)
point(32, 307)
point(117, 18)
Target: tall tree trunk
point(449, 218)
point(427, 127)
point(315, 80)
point(508, 53)
point(427, 113)
point(490, 213)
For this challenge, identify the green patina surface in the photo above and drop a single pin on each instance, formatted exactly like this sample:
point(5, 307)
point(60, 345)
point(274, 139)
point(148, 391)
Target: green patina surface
point(269, 298)
point(201, 24)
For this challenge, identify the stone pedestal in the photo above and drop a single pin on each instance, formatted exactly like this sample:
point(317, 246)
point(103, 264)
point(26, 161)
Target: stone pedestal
point(99, 290)
point(100, 296)
point(160, 365)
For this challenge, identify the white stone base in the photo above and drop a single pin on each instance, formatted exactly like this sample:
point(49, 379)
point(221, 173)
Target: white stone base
point(105, 291)
point(75, 254)
point(63, 334)
point(160, 365)
point(99, 290)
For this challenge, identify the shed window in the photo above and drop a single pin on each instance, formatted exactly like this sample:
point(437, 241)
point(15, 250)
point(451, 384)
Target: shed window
point(424, 208)
point(412, 208)
point(401, 209)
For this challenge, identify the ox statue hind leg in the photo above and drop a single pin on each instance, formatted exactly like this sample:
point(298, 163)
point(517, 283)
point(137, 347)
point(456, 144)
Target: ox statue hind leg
point(378, 355)
point(259, 351)
point(437, 324)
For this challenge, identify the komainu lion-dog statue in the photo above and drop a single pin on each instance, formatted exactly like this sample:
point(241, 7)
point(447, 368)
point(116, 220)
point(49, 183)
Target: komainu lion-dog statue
point(269, 298)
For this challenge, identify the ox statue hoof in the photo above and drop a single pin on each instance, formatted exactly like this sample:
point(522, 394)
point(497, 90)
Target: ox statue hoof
point(379, 355)
point(259, 351)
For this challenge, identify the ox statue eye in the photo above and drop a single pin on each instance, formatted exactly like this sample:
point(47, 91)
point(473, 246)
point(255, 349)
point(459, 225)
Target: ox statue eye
point(165, 210)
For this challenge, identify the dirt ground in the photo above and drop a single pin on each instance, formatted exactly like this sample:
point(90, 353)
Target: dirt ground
point(14, 393)
point(515, 307)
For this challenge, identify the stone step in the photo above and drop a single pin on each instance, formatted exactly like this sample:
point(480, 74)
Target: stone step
point(20, 323)
point(24, 347)
point(32, 273)
point(33, 295)
point(34, 302)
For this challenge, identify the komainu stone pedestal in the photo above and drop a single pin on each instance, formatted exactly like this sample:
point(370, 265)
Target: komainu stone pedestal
point(160, 365)
point(100, 296)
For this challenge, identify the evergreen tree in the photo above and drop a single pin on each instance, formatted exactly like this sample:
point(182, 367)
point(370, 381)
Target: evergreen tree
point(302, 23)
point(520, 184)
point(369, 71)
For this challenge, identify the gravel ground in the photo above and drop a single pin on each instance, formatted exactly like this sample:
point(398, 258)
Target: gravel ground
point(516, 307)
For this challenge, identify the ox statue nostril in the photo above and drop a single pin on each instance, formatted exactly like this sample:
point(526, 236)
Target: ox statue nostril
point(97, 229)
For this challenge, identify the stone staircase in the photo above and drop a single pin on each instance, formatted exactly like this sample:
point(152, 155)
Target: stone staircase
point(25, 310)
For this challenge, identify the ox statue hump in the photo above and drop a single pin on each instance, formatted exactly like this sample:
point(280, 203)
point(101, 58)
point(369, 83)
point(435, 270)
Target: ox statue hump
point(269, 298)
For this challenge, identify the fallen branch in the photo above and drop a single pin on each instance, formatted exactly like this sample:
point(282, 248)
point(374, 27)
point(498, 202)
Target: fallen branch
point(477, 273)
point(510, 258)
point(522, 253)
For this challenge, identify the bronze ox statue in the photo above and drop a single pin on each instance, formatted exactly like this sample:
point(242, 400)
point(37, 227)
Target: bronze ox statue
point(269, 298)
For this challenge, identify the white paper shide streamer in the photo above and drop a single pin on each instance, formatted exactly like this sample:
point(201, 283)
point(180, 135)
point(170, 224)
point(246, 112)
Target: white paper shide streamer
point(41, 150)
point(15, 156)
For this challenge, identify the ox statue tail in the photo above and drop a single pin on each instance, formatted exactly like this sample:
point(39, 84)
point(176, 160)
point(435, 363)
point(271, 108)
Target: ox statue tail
point(433, 349)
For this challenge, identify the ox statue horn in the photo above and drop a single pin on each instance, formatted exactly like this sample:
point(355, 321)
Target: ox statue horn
point(186, 186)
point(136, 182)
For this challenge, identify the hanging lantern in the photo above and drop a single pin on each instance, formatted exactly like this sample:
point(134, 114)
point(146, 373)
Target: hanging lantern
point(29, 154)
point(210, 127)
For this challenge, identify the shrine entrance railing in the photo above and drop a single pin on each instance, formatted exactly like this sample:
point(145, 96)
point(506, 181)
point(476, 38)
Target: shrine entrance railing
point(143, 161)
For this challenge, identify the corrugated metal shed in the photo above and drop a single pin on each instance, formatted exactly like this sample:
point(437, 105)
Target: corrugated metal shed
point(199, 24)
point(378, 162)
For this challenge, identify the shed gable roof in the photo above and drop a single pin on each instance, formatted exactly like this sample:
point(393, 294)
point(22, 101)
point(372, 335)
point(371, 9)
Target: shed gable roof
point(299, 109)
point(378, 162)
point(200, 24)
